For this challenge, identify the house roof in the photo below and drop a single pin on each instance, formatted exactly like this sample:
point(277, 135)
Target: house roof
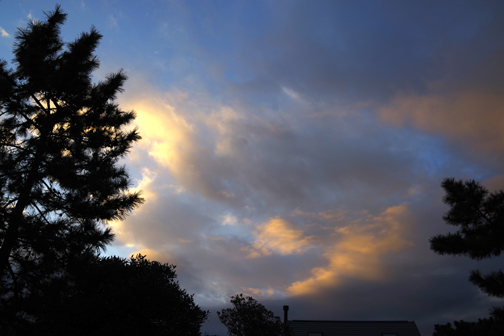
point(354, 328)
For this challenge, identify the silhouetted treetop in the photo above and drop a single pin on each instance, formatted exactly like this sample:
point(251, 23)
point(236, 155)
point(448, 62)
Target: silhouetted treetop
point(114, 296)
point(479, 216)
point(250, 318)
point(61, 138)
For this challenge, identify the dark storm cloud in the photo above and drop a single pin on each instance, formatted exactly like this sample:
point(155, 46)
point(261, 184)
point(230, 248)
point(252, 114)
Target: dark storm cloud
point(361, 49)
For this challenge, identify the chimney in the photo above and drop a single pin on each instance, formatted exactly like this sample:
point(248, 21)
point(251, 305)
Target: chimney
point(286, 313)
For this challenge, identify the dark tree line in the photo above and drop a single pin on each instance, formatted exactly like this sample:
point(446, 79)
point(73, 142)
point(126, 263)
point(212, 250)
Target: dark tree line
point(250, 318)
point(113, 296)
point(61, 139)
point(479, 215)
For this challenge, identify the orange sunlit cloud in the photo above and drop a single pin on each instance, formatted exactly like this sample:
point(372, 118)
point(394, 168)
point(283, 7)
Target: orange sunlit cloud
point(279, 236)
point(358, 251)
point(472, 117)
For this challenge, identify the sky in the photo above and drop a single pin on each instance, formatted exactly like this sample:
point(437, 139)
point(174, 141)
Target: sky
point(294, 150)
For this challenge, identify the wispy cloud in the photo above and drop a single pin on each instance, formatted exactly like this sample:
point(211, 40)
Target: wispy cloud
point(113, 21)
point(3, 33)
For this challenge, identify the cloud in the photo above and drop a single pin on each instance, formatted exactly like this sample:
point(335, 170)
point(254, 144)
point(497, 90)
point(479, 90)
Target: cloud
point(170, 139)
point(113, 21)
point(358, 251)
point(291, 149)
point(473, 118)
point(258, 292)
point(144, 186)
point(336, 215)
point(150, 196)
point(279, 236)
point(291, 93)
point(229, 220)
point(247, 160)
point(3, 33)
point(216, 171)
point(196, 141)
point(223, 123)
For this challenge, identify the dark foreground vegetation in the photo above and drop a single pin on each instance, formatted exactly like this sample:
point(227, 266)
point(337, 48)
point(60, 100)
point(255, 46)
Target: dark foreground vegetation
point(249, 318)
point(479, 215)
point(111, 296)
point(61, 137)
